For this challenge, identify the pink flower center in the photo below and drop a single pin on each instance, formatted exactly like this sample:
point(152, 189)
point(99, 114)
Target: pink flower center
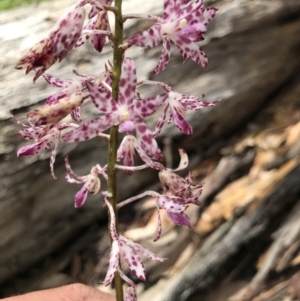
point(126, 126)
point(170, 28)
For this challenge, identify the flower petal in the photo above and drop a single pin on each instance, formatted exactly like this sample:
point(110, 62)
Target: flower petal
point(170, 205)
point(159, 228)
point(193, 32)
point(56, 81)
point(190, 50)
point(55, 97)
point(86, 35)
point(112, 225)
point(204, 18)
point(93, 183)
point(95, 10)
point(144, 156)
point(73, 181)
point(173, 8)
point(113, 263)
point(127, 82)
point(199, 105)
point(148, 106)
point(76, 115)
point(126, 126)
point(148, 38)
point(164, 57)
point(193, 103)
point(126, 150)
point(130, 294)
point(184, 160)
point(39, 58)
point(161, 120)
point(179, 219)
point(67, 31)
point(133, 260)
point(147, 141)
point(90, 129)
point(80, 197)
point(181, 122)
point(31, 149)
point(33, 133)
point(43, 144)
point(102, 98)
point(53, 154)
point(99, 40)
point(70, 172)
point(98, 21)
point(140, 249)
point(171, 181)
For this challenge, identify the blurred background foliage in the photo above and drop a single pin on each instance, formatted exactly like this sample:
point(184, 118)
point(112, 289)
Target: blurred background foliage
point(9, 4)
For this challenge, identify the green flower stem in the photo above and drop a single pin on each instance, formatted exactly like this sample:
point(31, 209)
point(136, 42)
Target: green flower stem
point(113, 141)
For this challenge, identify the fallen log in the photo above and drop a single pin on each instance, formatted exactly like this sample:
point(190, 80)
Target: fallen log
point(218, 253)
point(253, 54)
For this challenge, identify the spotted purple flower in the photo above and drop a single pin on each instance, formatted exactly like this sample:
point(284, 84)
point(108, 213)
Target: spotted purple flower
point(183, 22)
point(126, 112)
point(173, 205)
point(45, 137)
point(92, 184)
point(175, 208)
point(56, 46)
point(97, 29)
point(175, 106)
point(122, 246)
point(178, 194)
point(126, 151)
point(185, 189)
point(175, 185)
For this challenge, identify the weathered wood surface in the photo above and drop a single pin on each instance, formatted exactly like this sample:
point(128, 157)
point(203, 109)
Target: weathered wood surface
point(253, 49)
point(237, 225)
